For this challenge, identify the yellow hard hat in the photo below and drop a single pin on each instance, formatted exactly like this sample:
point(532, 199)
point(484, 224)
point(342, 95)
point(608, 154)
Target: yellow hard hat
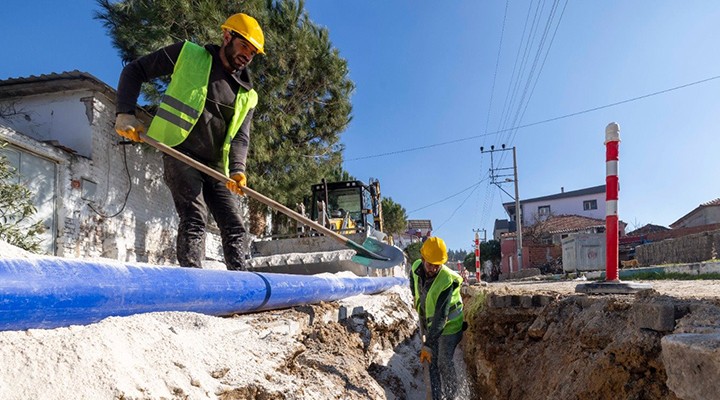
point(247, 27)
point(434, 251)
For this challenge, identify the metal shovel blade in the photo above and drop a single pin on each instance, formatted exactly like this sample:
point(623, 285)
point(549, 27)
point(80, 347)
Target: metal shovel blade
point(371, 248)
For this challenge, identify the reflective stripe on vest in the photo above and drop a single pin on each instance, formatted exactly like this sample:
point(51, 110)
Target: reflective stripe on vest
point(444, 279)
point(185, 97)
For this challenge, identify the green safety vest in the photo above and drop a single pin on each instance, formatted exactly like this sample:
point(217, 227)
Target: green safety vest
point(184, 101)
point(444, 279)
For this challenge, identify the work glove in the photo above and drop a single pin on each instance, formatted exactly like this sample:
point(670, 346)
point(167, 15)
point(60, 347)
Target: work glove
point(236, 183)
point(129, 127)
point(425, 355)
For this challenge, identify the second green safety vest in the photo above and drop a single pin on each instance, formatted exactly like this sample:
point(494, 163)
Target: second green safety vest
point(444, 279)
point(185, 97)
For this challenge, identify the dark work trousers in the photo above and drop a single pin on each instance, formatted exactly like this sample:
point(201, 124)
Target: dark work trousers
point(194, 193)
point(442, 369)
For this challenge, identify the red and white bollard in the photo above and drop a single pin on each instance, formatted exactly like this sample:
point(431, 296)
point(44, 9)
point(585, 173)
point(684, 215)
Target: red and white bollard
point(477, 257)
point(612, 188)
point(612, 282)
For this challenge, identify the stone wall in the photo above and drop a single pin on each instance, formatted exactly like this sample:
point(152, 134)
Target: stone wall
point(540, 255)
point(685, 249)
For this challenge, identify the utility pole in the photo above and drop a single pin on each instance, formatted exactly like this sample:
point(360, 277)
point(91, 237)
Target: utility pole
point(518, 214)
point(495, 175)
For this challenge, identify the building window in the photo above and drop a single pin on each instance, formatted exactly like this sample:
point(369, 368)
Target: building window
point(544, 210)
point(590, 205)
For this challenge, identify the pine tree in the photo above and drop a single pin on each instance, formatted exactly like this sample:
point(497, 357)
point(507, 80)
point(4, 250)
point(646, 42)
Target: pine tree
point(302, 82)
point(394, 217)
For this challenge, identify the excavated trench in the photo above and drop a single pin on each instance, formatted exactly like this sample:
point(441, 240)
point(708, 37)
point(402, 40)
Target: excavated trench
point(530, 344)
point(522, 343)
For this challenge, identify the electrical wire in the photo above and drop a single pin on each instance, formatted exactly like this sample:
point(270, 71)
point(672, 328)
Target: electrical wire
point(127, 195)
point(523, 63)
point(511, 137)
point(506, 105)
point(589, 110)
point(497, 66)
point(474, 185)
point(524, 102)
point(457, 208)
point(531, 74)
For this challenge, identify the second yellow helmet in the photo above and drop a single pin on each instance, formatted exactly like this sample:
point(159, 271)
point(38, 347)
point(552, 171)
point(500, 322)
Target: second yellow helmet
point(434, 251)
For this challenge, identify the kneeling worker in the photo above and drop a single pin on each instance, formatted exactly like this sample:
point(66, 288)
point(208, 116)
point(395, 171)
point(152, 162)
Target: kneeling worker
point(436, 292)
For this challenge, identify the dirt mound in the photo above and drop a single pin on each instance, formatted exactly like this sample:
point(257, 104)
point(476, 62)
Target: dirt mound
point(358, 348)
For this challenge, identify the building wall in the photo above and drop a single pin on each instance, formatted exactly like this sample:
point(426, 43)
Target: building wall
point(508, 256)
point(566, 206)
point(534, 256)
point(404, 240)
point(703, 216)
point(94, 219)
point(62, 117)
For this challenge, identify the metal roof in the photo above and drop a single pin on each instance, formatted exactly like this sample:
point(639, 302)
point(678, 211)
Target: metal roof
point(420, 224)
point(71, 80)
point(563, 195)
point(564, 224)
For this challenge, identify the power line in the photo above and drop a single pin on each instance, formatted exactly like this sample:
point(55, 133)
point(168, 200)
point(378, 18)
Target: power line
point(497, 65)
point(523, 64)
point(537, 122)
point(542, 66)
point(457, 208)
point(506, 105)
point(533, 74)
point(474, 185)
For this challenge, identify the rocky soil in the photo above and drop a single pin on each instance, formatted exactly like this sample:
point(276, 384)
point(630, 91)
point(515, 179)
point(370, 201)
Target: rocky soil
point(540, 340)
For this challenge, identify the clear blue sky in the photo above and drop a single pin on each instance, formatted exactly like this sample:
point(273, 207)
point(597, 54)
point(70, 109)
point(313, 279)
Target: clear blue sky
point(424, 73)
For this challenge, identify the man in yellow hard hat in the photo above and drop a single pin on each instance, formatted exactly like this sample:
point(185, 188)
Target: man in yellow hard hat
point(436, 293)
point(205, 114)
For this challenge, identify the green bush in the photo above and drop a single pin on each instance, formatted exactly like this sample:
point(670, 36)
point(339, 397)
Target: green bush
point(413, 251)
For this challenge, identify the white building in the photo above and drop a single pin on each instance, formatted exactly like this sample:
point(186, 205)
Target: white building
point(96, 196)
point(588, 202)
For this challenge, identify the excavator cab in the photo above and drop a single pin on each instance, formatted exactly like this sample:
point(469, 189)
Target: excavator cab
point(347, 206)
point(350, 208)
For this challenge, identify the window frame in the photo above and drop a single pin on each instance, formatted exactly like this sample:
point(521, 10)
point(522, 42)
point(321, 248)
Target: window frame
point(587, 205)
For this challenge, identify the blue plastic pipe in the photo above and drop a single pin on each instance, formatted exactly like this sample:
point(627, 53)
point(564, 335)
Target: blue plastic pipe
point(53, 292)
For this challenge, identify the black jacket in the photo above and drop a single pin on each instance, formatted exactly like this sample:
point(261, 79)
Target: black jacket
point(205, 141)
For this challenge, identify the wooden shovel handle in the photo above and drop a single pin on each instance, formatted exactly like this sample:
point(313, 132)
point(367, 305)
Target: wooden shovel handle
point(249, 192)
